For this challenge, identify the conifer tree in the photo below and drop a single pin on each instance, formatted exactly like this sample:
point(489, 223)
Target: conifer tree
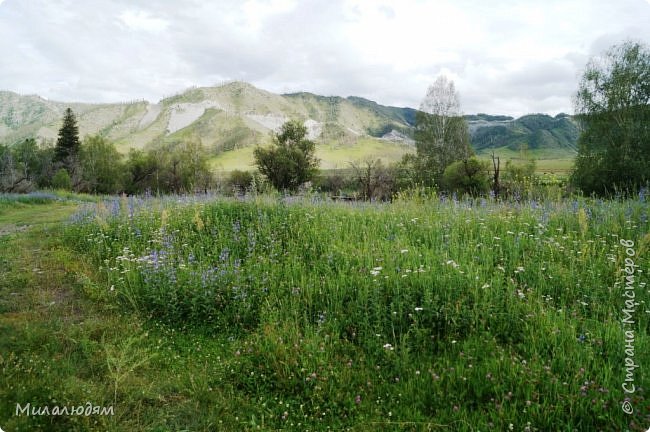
point(67, 145)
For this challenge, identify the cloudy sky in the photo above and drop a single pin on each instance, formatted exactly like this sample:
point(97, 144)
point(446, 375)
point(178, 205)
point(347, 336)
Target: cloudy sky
point(505, 56)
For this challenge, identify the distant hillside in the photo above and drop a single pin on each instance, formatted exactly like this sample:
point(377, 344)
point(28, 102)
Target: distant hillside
point(540, 133)
point(238, 116)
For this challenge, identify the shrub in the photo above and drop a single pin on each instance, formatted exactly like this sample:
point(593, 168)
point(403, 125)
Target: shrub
point(467, 176)
point(61, 180)
point(240, 181)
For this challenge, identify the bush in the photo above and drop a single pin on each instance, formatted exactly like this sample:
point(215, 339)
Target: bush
point(61, 180)
point(467, 176)
point(240, 181)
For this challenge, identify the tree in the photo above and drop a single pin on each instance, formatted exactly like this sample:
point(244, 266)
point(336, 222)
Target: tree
point(11, 179)
point(496, 164)
point(175, 167)
point(613, 107)
point(102, 170)
point(441, 134)
point(291, 160)
point(68, 145)
point(375, 180)
point(467, 176)
point(142, 169)
point(185, 166)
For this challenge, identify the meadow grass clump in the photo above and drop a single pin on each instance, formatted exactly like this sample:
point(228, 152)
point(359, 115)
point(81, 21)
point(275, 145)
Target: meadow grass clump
point(422, 313)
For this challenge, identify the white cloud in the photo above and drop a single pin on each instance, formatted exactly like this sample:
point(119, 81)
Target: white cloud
point(505, 57)
point(142, 20)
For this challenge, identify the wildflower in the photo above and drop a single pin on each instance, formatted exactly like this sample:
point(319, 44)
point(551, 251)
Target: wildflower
point(388, 346)
point(404, 251)
point(418, 309)
point(452, 263)
point(357, 399)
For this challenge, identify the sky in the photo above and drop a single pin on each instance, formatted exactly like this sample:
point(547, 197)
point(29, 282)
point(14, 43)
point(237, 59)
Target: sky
point(504, 56)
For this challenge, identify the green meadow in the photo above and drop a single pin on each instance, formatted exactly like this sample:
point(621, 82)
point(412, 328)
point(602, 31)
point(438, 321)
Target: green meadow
point(271, 313)
point(338, 156)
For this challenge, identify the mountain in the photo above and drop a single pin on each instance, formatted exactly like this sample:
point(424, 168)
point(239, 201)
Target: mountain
point(237, 116)
point(540, 133)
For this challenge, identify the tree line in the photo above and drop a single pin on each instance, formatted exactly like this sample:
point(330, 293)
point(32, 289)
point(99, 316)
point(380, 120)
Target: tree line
point(94, 165)
point(612, 106)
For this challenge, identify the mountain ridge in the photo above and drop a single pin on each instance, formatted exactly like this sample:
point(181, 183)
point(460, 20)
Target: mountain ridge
point(237, 115)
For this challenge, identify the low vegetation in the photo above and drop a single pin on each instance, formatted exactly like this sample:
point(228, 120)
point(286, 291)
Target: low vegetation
point(416, 315)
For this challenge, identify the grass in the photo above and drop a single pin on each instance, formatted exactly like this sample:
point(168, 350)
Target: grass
point(331, 156)
point(548, 161)
point(338, 157)
point(424, 314)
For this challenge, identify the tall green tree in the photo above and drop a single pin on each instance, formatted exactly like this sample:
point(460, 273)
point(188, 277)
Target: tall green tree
point(441, 134)
point(613, 107)
point(142, 171)
point(176, 167)
point(68, 145)
point(291, 160)
point(102, 170)
point(187, 167)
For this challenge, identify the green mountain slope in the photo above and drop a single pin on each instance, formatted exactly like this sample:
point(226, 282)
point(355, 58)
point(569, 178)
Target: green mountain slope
point(540, 133)
point(237, 116)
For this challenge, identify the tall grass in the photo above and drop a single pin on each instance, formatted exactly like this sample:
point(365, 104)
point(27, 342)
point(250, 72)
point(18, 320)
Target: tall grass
point(423, 313)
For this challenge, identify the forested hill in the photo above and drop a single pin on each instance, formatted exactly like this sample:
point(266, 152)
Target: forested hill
point(535, 131)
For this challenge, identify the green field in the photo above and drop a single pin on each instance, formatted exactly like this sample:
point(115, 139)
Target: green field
point(339, 157)
point(425, 314)
point(550, 161)
point(332, 156)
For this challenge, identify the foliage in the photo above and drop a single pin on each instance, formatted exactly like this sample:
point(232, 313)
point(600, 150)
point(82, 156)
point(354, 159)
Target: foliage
point(25, 166)
point(441, 134)
point(469, 176)
point(290, 161)
point(184, 167)
point(143, 171)
point(68, 144)
point(176, 167)
point(613, 106)
point(62, 180)
point(240, 181)
point(101, 165)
